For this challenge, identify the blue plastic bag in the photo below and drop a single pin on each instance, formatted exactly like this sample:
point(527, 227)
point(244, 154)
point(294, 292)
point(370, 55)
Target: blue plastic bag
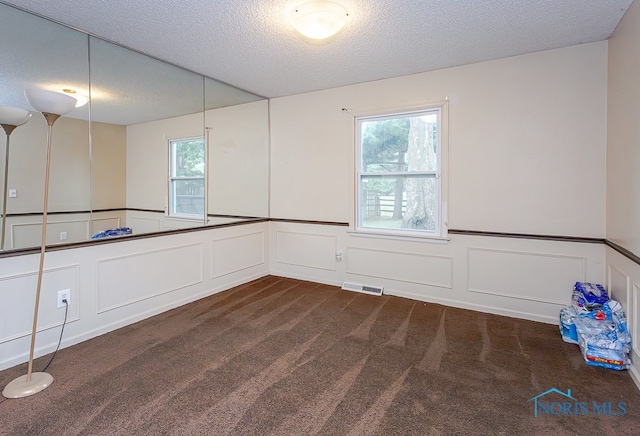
point(120, 231)
point(603, 336)
point(588, 296)
point(567, 324)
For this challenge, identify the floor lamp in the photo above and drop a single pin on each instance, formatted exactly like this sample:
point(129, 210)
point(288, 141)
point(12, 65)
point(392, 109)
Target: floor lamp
point(10, 118)
point(52, 105)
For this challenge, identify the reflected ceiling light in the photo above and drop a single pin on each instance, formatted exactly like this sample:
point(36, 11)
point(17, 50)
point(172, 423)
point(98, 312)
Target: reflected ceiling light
point(319, 19)
point(81, 99)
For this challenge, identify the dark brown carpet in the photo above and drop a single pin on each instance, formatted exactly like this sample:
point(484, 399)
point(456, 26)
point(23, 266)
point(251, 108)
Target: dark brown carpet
point(286, 357)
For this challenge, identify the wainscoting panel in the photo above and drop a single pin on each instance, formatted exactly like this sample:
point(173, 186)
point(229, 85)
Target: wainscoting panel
point(143, 225)
point(422, 269)
point(18, 294)
point(127, 279)
point(619, 286)
point(540, 277)
point(237, 253)
point(169, 223)
point(307, 250)
point(30, 234)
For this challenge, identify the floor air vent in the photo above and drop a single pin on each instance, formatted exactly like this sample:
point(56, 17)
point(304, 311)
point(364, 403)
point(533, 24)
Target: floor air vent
point(371, 290)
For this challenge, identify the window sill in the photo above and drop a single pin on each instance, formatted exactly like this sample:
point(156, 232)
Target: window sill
point(399, 237)
point(186, 218)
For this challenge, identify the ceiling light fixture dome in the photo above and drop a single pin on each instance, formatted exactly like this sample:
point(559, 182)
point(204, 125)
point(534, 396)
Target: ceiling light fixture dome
point(319, 19)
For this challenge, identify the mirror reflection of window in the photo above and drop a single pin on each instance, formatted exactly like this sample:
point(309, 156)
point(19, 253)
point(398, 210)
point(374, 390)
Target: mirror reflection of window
point(186, 177)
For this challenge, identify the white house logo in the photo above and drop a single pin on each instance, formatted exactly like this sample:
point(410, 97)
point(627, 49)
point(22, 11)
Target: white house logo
point(571, 406)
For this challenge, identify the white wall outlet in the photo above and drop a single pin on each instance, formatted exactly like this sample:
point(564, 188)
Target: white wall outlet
point(13, 193)
point(64, 295)
point(339, 256)
point(63, 236)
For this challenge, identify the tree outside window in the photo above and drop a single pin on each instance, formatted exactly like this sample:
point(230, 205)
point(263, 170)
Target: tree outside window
point(399, 172)
point(186, 177)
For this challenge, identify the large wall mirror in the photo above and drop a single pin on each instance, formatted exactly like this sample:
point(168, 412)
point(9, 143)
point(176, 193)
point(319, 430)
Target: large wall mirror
point(156, 147)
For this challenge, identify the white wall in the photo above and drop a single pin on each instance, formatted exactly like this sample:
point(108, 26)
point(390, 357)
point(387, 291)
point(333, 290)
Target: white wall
point(526, 150)
point(116, 284)
point(69, 179)
point(526, 155)
point(108, 166)
point(623, 152)
point(623, 174)
point(239, 159)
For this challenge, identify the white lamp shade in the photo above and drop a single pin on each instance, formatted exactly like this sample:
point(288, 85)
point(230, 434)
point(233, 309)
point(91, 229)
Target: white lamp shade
point(81, 100)
point(13, 116)
point(319, 19)
point(50, 101)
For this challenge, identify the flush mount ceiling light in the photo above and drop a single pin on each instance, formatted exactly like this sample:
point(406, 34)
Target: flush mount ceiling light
point(319, 19)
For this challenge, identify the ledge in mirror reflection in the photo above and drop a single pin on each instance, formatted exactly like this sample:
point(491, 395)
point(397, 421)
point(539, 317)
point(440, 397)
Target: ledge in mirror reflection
point(116, 239)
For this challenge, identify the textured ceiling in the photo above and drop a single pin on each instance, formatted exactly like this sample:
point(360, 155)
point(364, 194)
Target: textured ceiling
point(250, 44)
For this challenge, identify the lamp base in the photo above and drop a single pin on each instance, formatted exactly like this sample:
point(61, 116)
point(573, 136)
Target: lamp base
point(20, 387)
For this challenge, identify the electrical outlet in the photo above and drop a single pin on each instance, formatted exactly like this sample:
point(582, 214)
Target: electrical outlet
point(63, 236)
point(339, 256)
point(64, 295)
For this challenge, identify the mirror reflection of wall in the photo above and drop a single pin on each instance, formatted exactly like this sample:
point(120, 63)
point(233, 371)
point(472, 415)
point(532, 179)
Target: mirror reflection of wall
point(238, 138)
point(144, 103)
point(115, 170)
point(53, 57)
point(10, 119)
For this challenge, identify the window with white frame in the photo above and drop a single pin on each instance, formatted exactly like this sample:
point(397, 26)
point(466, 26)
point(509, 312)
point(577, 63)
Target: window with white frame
point(187, 177)
point(399, 173)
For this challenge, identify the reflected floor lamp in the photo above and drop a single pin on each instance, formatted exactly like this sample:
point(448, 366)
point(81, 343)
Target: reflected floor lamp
point(10, 118)
point(52, 105)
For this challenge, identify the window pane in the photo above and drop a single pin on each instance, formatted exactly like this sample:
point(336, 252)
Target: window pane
point(188, 158)
point(406, 143)
point(188, 197)
point(408, 203)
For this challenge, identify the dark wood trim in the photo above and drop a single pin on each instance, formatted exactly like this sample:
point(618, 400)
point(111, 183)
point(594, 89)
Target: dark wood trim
point(93, 242)
point(527, 236)
point(114, 209)
point(143, 210)
point(69, 212)
point(251, 220)
point(241, 217)
point(121, 209)
point(626, 253)
point(324, 223)
point(14, 252)
point(65, 212)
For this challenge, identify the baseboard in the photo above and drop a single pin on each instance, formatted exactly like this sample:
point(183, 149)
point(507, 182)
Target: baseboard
point(476, 307)
point(443, 301)
point(635, 376)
